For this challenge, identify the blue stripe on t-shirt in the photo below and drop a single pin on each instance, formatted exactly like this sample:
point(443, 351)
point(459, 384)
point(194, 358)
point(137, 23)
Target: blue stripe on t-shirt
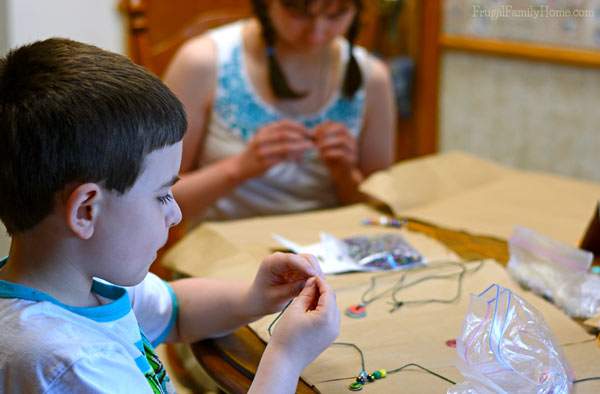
point(103, 313)
point(172, 320)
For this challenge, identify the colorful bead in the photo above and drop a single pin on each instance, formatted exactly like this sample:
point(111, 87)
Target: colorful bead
point(377, 374)
point(355, 386)
point(451, 343)
point(356, 311)
point(383, 373)
point(361, 380)
point(363, 374)
point(370, 378)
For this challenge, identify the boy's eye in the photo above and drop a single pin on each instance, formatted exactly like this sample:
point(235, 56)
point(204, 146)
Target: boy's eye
point(165, 199)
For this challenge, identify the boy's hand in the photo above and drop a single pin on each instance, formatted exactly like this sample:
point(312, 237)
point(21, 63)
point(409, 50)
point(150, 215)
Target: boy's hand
point(309, 325)
point(280, 278)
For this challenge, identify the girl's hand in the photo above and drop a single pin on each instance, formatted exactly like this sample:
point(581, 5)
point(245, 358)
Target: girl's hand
point(272, 144)
point(337, 147)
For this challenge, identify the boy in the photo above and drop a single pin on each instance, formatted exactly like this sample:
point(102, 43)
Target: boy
point(90, 146)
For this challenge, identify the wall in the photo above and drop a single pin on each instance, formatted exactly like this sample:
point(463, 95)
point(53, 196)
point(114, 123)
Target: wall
point(3, 28)
point(97, 22)
point(537, 116)
point(4, 241)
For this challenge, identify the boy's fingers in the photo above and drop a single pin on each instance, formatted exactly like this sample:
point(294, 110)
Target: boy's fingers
point(289, 290)
point(292, 263)
point(327, 303)
point(314, 263)
point(325, 294)
point(307, 296)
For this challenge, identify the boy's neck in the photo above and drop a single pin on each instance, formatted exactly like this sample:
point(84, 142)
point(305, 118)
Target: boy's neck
point(48, 268)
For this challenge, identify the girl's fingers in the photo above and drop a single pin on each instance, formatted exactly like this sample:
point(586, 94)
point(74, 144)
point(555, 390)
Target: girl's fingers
point(279, 136)
point(284, 150)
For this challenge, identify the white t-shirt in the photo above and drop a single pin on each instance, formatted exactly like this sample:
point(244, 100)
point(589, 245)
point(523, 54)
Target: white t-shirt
point(49, 347)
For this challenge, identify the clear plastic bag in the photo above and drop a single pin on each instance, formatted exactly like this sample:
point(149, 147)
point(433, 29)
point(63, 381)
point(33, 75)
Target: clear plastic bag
point(556, 271)
point(507, 348)
point(360, 253)
point(579, 296)
point(382, 252)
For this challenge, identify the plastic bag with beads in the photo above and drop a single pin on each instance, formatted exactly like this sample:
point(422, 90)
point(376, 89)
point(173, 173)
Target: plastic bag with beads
point(556, 271)
point(507, 348)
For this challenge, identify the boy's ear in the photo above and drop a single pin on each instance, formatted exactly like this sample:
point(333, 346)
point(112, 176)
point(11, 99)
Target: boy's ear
point(82, 209)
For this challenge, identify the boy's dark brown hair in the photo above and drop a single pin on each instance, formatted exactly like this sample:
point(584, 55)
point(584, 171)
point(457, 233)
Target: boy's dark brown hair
point(70, 113)
point(353, 78)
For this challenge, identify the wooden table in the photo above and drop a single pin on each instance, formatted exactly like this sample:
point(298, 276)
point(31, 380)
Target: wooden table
point(232, 360)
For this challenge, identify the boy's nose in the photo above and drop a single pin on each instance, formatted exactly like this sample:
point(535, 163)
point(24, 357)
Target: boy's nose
point(174, 216)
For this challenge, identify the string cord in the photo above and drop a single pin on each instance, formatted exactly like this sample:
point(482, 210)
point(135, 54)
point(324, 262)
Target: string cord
point(396, 303)
point(360, 352)
point(361, 355)
point(396, 287)
point(399, 284)
point(363, 298)
point(392, 371)
point(424, 369)
point(272, 324)
point(586, 379)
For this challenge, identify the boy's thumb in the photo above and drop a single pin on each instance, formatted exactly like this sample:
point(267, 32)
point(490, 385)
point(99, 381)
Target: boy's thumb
point(308, 293)
point(289, 289)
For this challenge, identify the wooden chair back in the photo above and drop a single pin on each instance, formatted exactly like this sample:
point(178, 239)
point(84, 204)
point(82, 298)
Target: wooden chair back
point(157, 28)
point(591, 238)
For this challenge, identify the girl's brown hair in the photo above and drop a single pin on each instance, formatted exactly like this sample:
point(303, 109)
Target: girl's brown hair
point(352, 79)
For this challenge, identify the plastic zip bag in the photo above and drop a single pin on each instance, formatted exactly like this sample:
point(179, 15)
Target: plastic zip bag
point(556, 271)
point(507, 348)
point(359, 253)
point(382, 252)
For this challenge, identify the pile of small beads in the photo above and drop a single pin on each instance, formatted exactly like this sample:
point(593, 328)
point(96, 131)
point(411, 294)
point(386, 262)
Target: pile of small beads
point(364, 378)
point(384, 251)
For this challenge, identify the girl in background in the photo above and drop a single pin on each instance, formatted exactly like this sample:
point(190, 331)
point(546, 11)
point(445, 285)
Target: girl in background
point(285, 113)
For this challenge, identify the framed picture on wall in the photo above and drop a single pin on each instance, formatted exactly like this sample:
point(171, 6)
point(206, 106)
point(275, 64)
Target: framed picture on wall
point(564, 31)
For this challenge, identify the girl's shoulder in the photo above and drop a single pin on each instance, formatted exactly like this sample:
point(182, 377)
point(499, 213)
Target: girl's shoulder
point(197, 52)
point(200, 54)
point(230, 31)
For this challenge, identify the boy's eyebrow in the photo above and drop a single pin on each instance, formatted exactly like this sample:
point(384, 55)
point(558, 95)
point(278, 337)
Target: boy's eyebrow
point(170, 183)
